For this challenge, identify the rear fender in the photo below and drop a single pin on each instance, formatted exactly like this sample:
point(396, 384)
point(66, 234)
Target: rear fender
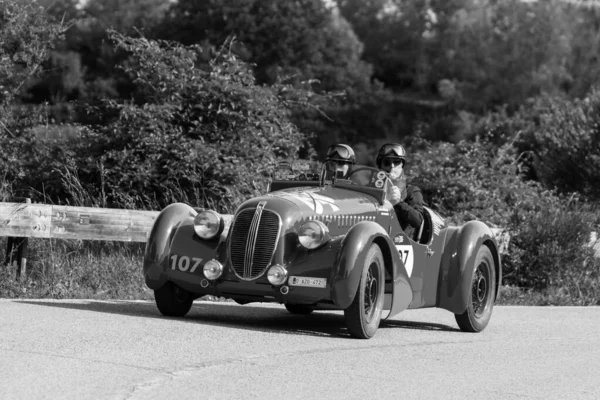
point(351, 257)
point(175, 220)
point(458, 264)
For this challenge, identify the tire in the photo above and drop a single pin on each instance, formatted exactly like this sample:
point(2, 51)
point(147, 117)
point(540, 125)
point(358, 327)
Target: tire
point(480, 300)
point(300, 309)
point(173, 301)
point(364, 314)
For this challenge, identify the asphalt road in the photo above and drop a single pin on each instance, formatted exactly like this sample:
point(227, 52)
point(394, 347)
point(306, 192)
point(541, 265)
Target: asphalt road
point(126, 350)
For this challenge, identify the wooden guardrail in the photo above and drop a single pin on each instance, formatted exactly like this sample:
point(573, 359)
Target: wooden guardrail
point(67, 222)
point(20, 221)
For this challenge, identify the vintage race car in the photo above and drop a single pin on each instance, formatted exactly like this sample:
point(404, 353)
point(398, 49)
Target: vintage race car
point(313, 242)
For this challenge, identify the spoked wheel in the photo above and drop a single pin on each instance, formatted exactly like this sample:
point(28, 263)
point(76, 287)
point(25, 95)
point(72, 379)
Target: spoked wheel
point(302, 309)
point(480, 301)
point(364, 314)
point(172, 300)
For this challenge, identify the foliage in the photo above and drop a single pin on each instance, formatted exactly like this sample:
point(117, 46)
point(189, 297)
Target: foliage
point(26, 37)
point(472, 180)
point(126, 17)
point(550, 249)
point(548, 232)
point(282, 38)
point(202, 133)
point(562, 140)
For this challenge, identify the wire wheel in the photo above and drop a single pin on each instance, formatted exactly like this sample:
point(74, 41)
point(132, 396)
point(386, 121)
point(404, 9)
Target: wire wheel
point(481, 295)
point(364, 314)
point(371, 291)
point(480, 290)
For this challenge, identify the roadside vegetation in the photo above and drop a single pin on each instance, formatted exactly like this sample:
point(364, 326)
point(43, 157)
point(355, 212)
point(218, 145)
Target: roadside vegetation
point(194, 101)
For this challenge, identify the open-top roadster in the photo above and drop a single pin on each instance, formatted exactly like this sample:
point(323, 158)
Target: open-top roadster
point(314, 242)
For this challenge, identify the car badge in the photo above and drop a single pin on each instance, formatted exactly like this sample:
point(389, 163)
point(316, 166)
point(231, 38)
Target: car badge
point(429, 252)
point(261, 205)
point(398, 239)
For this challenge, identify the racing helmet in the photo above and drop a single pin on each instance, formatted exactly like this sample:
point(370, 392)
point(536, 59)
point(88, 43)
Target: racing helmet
point(391, 150)
point(341, 153)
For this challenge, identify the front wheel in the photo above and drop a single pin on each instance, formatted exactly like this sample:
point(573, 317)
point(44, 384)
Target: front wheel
point(364, 314)
point(173, 301)
point(480, 301)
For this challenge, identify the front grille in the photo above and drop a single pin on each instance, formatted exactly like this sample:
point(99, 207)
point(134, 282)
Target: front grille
point(253, 239)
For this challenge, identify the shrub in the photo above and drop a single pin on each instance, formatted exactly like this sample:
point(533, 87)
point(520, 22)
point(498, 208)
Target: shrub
point(563, 138)
point(549, 251)
point(548, 231)
point(471, 180)
point(196, 132)
point(205, 134)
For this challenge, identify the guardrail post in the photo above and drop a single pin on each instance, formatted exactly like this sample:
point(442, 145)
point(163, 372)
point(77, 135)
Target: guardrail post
point(16, 253)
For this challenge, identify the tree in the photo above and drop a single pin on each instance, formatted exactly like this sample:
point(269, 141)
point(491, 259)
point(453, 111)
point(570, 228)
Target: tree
point(282, 38)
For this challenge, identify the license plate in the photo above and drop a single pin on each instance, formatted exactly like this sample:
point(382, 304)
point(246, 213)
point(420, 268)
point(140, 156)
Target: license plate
point(306, 281)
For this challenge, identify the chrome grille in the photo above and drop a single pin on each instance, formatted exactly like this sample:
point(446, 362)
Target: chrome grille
point(253, 239)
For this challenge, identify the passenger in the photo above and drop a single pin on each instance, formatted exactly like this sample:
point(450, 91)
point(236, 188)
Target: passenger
point(407, 200)
point(340, 157)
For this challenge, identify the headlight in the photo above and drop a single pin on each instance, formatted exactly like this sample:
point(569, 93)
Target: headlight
point(212, 269)
point(208, 224)
point(277, 275)
point(313, 234)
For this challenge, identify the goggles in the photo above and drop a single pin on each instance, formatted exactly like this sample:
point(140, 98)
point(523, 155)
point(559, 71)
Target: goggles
point(392, 150)
point(339, 152)
point(391, 161)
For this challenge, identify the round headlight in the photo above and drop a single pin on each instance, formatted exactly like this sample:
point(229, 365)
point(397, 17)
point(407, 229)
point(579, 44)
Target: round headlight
point(313, 234)
point(277, 275)
point(208, 224)
point(212, 269)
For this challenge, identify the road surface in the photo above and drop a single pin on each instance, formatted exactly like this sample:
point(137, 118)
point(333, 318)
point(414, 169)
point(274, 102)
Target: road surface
point(85, 349)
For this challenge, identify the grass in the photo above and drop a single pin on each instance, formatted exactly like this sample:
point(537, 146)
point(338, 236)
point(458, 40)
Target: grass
point(68, 269)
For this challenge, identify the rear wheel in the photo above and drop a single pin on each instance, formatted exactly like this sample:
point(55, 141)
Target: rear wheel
point(364, 314)
point(172, 300)
point(303, 309)
point(480, 301)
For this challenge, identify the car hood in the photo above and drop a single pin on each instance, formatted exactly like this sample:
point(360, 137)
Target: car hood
point(297, 205)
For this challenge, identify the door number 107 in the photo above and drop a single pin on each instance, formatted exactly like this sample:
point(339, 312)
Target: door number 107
point(183, 263)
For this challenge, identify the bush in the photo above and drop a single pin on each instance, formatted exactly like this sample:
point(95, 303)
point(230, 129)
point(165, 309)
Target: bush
point(563, 138)
point(471, 180)
point(548, 231)
point(549, 250)
point(205, 134)
point(201, 133)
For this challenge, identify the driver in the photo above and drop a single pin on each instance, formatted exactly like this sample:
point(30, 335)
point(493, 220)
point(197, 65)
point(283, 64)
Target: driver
point(339, 159)
point(407, 200)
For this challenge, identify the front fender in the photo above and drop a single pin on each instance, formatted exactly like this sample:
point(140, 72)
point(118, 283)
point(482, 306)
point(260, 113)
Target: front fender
point(173, 224)
point(348, 266)
point(458, 264)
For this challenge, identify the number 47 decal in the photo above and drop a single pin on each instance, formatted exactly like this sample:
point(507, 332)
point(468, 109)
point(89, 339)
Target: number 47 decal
point(184, 263)
point(407, 256)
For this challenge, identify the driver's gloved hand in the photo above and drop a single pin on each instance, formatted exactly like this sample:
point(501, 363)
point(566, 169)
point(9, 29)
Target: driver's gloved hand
point(394, 195)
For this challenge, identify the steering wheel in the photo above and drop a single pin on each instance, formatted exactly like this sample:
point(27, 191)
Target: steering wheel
point(377, 177)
